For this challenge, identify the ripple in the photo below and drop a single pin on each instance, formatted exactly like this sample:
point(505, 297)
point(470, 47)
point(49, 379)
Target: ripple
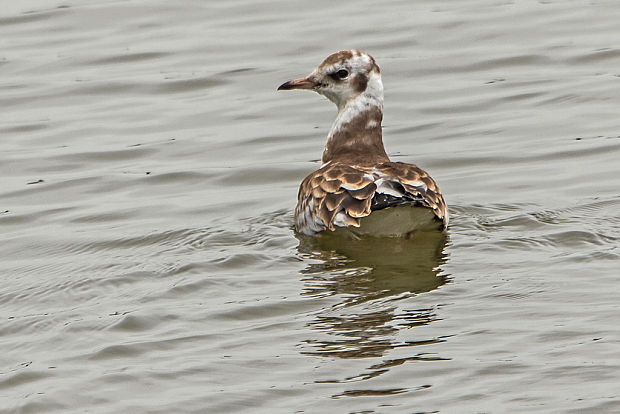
point(18, 378)
point(24, 128)
point(129, 58)
point(184, 85)
point(370, 392)
point(135, 323)
point(148, 277)
point(598, 55)
point(25, 18)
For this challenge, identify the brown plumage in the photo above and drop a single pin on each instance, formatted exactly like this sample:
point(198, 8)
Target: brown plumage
point(351, 190)
point(357, 177)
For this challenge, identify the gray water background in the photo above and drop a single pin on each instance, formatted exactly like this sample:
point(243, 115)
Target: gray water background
point(148, 172)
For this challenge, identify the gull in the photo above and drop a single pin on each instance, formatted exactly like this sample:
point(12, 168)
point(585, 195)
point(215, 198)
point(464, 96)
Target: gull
point(358, 190)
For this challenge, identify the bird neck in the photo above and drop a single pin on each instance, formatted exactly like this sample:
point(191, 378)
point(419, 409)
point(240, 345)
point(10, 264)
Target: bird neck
point(355, 136)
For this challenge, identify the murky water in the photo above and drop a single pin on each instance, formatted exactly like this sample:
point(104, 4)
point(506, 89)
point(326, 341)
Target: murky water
point(149, 171)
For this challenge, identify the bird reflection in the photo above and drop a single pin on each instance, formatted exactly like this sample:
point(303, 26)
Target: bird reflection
point(370, 278)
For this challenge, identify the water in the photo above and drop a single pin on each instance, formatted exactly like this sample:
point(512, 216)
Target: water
point(149, 172)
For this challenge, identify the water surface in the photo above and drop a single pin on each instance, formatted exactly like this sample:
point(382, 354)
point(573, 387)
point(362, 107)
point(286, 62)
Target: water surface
point(149, 171)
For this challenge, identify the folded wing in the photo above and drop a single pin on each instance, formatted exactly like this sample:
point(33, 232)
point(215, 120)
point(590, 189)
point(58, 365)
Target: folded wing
point(339, 195)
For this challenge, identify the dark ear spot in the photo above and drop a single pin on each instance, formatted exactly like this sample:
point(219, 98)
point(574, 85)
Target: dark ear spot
point(359, 83)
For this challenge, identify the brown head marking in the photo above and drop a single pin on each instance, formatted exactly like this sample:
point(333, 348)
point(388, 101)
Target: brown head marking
point(337, 57)
point(359, 82)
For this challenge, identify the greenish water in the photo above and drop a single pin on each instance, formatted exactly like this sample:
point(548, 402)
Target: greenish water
point(149, 171)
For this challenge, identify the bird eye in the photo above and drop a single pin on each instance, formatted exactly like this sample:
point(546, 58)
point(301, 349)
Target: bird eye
point(342, 73)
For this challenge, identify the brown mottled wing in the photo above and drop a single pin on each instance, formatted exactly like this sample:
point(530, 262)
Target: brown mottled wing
point(401, 182)
point(340, 194)
point(336, 194)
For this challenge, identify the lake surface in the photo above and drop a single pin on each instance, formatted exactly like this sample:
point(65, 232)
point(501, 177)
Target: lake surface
point(149, 170)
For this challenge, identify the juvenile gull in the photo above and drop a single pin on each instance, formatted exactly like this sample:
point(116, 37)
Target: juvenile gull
point(358, 188)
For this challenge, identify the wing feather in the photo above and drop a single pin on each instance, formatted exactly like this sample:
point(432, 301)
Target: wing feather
point(340, 195)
